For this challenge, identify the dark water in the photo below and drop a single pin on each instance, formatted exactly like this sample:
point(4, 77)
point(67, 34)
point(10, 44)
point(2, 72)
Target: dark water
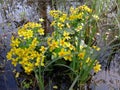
point(7, 80)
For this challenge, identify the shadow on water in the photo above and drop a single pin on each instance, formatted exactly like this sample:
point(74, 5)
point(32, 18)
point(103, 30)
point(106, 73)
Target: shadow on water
point(15, 13)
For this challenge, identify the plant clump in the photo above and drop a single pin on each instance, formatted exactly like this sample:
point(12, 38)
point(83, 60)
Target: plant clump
point(66, 47)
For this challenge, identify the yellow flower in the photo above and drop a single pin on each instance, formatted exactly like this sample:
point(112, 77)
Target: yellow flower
point(67, 24)
point(96, 48)
point(49, 40)
point(72, 9)
point(41, 19)
point(73, 17)
point(81, 55)
point(79, 28)
point(14, 61)
point(28, 70)
point(55, 13)
point(81, 47)
point(60, 25)
point(55, 87)
point(95, 17)
point(53, 45)
point(66, 35)
point(34, 43)
point(29, 25)
point(97, 68)
point(85, 8)
point(29, 34)
point(9, 55)
point(80, 15)
point(42, 49)
point(33, 25)
point(29, 67)
point(40, 60)
point(62, 42)
point(88, 60)
point(70, 46)
point(25, 33)
point(19, 52)
point(53, 23)
point(41, 31)
point(63, 18)
point(14, 42)
point(68, 56)
point(62, 53)
point(33, 54)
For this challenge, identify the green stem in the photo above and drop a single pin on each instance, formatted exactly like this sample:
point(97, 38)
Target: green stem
point(74, 82)
point(40, 79)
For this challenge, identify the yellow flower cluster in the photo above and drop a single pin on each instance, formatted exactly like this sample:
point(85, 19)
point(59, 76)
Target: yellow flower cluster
point(23, 47)
point(63, 46)
point(62, 19)
point(85, 8)
point(28, 30)
point(55, 13)
point(14, 42)
point(64, 41)
point(65, 54)
point(27, 50)
point(25, 33)
point(31, 25)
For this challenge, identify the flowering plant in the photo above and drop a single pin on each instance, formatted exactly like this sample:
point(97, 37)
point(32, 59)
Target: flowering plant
point(28, 50)
point(71, 33)
point(71, 41)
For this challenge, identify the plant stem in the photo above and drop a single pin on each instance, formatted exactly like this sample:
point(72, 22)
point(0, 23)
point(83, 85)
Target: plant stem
point(74, 82)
